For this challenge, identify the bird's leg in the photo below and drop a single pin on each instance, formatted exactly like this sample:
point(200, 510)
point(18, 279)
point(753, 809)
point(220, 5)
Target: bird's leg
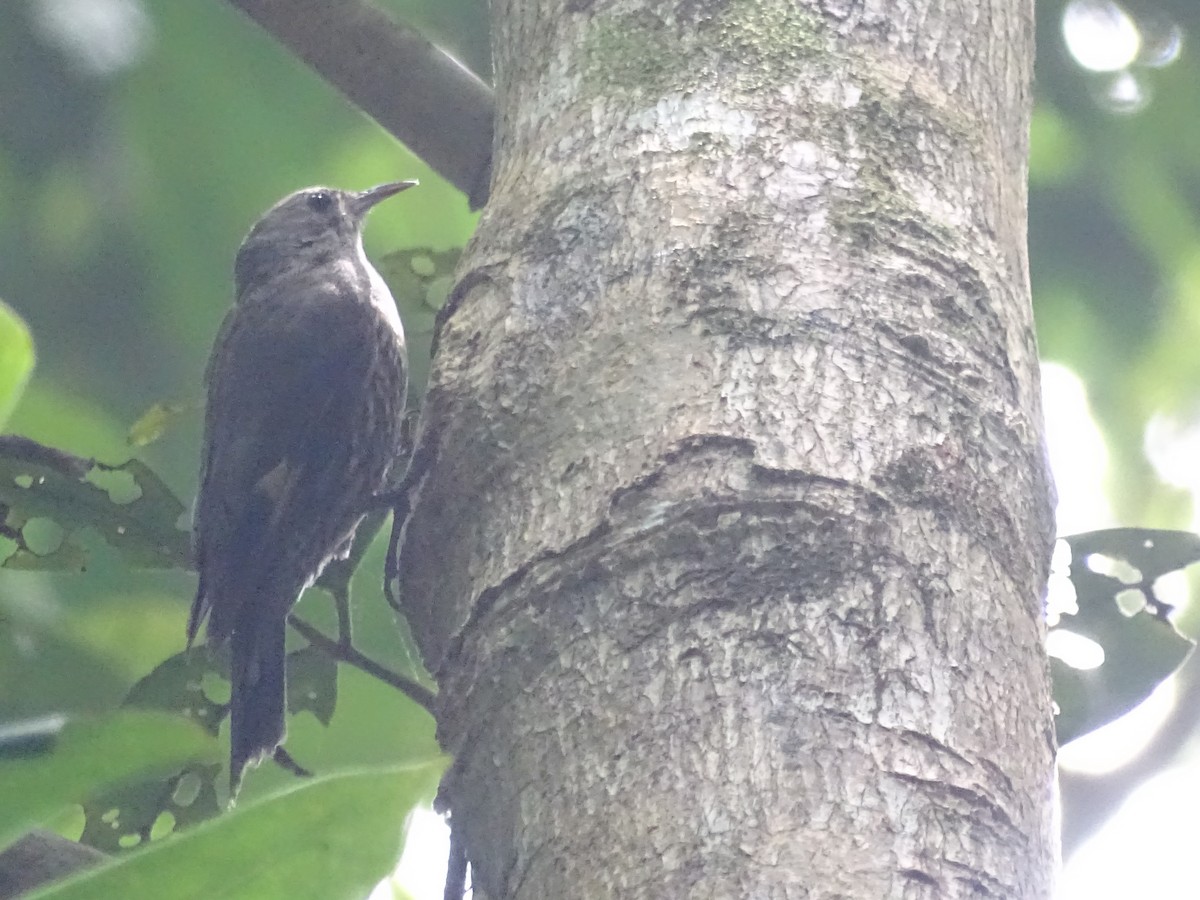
point(399, 500)
point(391, 565)
point(285, 761)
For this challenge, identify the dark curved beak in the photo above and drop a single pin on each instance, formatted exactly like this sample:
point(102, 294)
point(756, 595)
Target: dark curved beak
point(362, 202)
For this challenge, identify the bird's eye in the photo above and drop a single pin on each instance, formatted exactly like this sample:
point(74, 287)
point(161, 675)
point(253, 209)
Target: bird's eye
point(320, 201)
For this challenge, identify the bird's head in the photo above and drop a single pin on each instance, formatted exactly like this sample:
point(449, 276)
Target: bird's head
point(315, 223)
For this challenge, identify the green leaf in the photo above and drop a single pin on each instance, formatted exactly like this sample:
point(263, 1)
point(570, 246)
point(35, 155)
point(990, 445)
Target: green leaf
point(177, 685)
point(312, 683)
point(154, 422)
point(133, 814)
point(420, 279)
point(336, 577)
point(16, 359)
point(378, 631)
point(373, 725)
point(183, 684)
point(42, 668)
point(330, 838)
point(89, 754)
point(128, 504)
point(1113, 573)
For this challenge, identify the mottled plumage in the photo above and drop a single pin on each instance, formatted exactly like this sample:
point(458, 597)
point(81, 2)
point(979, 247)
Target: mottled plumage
point(306, 387)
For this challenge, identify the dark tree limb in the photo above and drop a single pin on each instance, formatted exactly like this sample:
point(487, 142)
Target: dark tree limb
point(350, 655)
point(39, 858)
point(416, 91)
point(341, 601)
point(456, 867)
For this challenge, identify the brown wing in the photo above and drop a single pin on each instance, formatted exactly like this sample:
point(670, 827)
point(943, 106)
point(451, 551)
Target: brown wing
point(297, 437)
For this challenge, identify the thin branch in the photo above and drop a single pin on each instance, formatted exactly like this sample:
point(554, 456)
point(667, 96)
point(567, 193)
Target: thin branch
point(456, 867)
point(348, 654)
point(341, 600)
point(416, 91)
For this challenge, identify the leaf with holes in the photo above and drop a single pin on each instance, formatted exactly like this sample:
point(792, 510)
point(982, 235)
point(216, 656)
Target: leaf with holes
point(134, 814)
point(181, 684)
point(91, 754)
point(41, 544)
point(193, 684)
point(329, 837)
point(1113, 573)
point(420, 280)
point(312, 683)
point(128, 504)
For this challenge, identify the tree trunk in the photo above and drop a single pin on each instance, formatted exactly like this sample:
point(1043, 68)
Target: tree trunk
point(734, 521)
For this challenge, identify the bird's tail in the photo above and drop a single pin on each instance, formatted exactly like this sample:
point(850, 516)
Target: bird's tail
point(258, 696)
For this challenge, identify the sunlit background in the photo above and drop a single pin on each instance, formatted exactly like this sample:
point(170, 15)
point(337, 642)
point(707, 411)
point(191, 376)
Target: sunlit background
point(138, 137)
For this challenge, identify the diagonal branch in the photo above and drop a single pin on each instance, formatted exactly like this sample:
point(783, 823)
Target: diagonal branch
point(416, 91)
point(350, 655)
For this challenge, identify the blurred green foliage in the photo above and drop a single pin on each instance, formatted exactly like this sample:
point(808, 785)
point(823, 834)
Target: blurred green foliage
point(1122, 614)
point(16, 359)
point(128, 174)
point(138, 142)
point(88, 755)
point(332, 837)
point(1114, 241)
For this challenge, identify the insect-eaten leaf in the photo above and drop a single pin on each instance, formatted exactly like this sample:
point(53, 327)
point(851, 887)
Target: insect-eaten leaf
point(191, 683)
point(420, 279)
point(180, 685)
point(312, 683)
point(48, 497)
point(328, 837)
point(421, 276)
point(88, 755)
point(39, 543)
point(1113, 573)
point(134, 814)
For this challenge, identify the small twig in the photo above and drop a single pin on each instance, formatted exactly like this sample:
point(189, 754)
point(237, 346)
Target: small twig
point(456, 867)
point(341, 602)
point(419, 93)
point(417, 693)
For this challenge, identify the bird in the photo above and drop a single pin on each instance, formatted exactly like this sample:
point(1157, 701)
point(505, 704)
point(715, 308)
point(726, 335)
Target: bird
point(305, 403)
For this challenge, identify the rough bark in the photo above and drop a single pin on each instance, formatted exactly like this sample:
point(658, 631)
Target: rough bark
point(734, 520)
